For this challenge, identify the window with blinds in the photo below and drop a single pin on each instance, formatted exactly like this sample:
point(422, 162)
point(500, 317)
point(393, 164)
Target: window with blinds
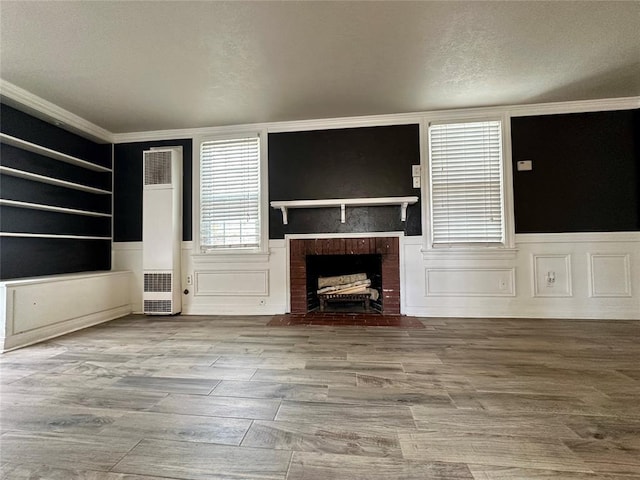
point(466, 188)
point(230, 194)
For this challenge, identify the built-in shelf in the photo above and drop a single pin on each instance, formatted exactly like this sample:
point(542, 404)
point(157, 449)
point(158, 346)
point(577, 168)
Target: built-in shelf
point(47, 152)
point(51, 208)
point(14, 172)
point(402, 202)
point(52, 235)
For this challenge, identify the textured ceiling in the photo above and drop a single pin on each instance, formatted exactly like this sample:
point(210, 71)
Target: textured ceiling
point(138, 66)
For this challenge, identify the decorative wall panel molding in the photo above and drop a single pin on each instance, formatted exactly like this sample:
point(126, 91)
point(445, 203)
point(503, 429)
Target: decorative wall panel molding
point(609, 275)
point(232, 283)
point(472, 282)
point(35, 309)
point(551, 275)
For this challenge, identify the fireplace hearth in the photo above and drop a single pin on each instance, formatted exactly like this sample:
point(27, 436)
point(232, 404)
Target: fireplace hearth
point(377, 257)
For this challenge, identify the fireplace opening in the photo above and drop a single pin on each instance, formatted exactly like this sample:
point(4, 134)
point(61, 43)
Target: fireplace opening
point(347, 266)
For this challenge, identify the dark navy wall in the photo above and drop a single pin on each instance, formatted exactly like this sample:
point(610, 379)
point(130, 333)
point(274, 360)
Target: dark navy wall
point(25, 256)
point(127, 190)
point(344, 163)
point(586, 172)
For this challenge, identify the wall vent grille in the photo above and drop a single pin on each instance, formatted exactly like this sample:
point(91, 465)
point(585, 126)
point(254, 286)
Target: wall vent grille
point(157, 168)
point(157, 282)
point(157, 306)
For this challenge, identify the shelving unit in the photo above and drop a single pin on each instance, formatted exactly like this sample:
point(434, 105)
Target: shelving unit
point(402, 202)
point(51, 208)
point(49, 180)
point(52, 235)
point(47, 152)
point(14, 172)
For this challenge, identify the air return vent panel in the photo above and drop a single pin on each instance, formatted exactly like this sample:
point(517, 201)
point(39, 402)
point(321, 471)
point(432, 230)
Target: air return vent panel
point(158, 306)
point(157, 282)
point(157, 167)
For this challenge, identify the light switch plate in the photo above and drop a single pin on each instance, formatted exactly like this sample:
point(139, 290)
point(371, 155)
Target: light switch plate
point(525, 165)
point(415, 171)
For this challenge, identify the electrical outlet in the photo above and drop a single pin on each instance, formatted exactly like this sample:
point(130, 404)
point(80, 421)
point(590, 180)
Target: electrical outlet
point(416, 182)
point(551, 279)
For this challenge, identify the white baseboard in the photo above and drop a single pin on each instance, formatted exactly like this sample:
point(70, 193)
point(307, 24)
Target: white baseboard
point(542, 313)
point(233, 310)
point(45, 333)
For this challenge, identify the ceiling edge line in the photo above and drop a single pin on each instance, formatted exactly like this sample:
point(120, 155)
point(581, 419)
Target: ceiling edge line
point(580, 106)
point(19, 98)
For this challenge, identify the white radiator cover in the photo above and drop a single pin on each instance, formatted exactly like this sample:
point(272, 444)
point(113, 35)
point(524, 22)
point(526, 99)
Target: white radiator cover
point(162, 231)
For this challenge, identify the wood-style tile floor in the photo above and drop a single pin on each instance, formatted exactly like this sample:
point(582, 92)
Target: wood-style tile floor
point(146, 398)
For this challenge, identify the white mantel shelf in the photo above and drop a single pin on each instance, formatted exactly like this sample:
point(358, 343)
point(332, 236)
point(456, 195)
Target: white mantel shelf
point(402, 202)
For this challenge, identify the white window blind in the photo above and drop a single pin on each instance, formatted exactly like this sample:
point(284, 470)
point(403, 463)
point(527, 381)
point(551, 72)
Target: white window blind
point(230, 193)
point(466, 183)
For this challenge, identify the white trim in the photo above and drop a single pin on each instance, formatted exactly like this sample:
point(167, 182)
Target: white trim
point(528, 312)
point(213, 309)
point(51, 208)
point(627, 275)
point(567, 291)
point(263, 292)
point(38, 335)
point(625, 103)
point(232, 132)
point(477, 253)
point(299, 236)
point(507, 185)
point(21, 99)
point(578, 237)
point(34, 105)
point(402, 202)
point(208, 258)
point(345, 122)
point(508, 216)
point(580, 106)
point(509, 290)
point(63, 277)
point(48, 152)
point(126, 246)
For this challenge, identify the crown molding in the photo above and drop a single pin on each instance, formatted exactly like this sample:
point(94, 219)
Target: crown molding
point(23, 100)
point(580, 106)
point(599, 105)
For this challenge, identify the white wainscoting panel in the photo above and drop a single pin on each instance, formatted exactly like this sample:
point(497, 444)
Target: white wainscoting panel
point(471, 282)
point(43, 307)
point(234, 285)
point(595, 285)
point(551, 275)
point(128, 256)
point(594, 278)
point(609, 275)
point(232, 282)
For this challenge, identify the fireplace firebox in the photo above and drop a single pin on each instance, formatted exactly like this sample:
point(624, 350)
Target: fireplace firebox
point(322, 266)
point(378, 257)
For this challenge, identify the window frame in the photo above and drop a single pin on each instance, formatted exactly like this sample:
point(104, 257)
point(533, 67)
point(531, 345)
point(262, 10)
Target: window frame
point(263, 218)
point(505, 249)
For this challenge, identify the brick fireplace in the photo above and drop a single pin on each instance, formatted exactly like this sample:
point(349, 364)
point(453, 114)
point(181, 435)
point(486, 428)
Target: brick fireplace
point(386, 247)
